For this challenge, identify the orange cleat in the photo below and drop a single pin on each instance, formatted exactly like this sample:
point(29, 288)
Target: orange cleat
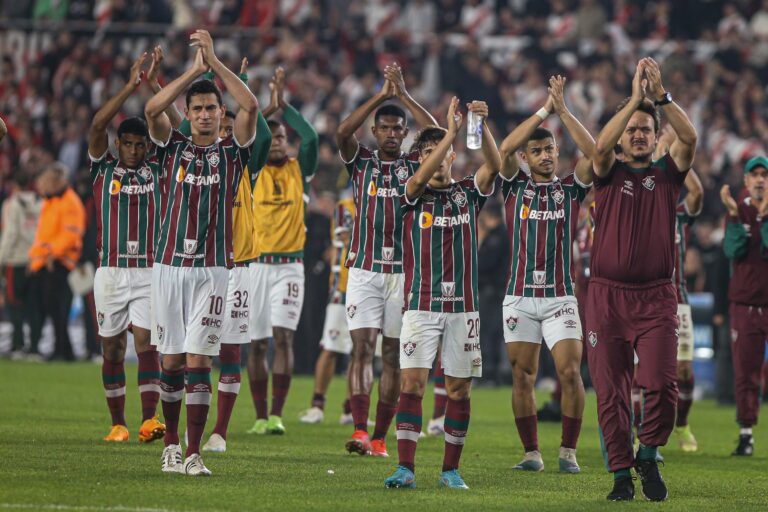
point(150, 430)
point(379, 448)
point(360, 443)
point(118, 434)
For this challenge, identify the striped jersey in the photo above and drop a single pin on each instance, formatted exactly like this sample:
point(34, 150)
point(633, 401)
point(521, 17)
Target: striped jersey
point(684, 222)
point(200, 187)
point(542, 219)
point(440, 248)
point(377, 235)
point(127, 201)
point(343, 218)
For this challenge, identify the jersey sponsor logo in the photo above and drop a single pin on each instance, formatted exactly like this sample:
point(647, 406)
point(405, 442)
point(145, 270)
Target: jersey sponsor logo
point(212, 340)
point(471, 347)
point(409, 347)
point(213, 158)
point(198, 181)
point(649, 183)
point(133, 247)
point(425, 220)
point(114, 187)
point(351, 310)
point(511, 322)
point(448, 289)
point(209, 321)
point(136, 189)
point(558, 196)
point(527, 213)
point(160, 332)
point(565, 310)
point(190, 246)
point(180, 174)
point(387, 253)
point(373, 191)
point(100, 318)
point(628, 188)
point(592, 337)
point(539, 277)
point(459, 196)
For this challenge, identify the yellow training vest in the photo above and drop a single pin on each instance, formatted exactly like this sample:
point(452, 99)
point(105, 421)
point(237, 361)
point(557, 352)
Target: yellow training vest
point(243, 243)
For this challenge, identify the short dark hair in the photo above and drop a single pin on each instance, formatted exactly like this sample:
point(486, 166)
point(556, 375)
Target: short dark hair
point(428, 136)
point(539, 134)
point(133, 126)
point(229, 113)
point(22, 179)
point(646, 106)
point(390, 110)
point(203, 87)
point(273, 125)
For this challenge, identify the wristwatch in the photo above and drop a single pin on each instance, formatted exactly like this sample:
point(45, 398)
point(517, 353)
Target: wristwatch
point(666, 99)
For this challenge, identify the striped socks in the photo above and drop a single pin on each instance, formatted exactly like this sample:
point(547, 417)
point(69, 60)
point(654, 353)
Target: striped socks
point(456, 426)
point(199, 392)
point(149, 382)
point(171, 392)
point(113, 378)
point(408, 428)
point(229, 386)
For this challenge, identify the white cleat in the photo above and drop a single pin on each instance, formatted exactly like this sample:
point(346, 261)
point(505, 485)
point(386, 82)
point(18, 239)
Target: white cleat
point(194, 466)
point(567, 461)
point(171, 461)
point(531, 462)
point(436, 426)
point(313, 416)
point(346, 419)
point(216, 444)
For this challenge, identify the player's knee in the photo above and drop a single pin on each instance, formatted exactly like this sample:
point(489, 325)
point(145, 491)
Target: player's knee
point(524, 377)
point(412, 385)
point(259, 348)
point(283, 344)
point(363, 352)
point(458, 389)
point(113, 349)
point(570, 377)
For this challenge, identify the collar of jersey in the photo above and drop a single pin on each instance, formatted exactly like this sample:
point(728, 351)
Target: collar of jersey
point(543, 183)
point(446, 189)
point(399, 157)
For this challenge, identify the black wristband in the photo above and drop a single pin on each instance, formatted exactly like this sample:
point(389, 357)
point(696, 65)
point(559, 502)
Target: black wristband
point(666, 99)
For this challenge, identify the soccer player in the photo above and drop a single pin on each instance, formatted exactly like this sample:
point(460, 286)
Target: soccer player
point(440, 253)
point(3, 129)
point(194, 247)
point(237, 308)
point(336, 339)
point(542, 214)
point(277, 274)
point(126, 191)
point(746, 245)
point(632, 301)
point(375, 258)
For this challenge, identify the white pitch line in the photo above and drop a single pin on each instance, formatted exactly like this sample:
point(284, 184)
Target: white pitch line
point(55, 506)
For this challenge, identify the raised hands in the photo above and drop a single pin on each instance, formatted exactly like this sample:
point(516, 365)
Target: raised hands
point(653, 77)
point(394, 74)
point(639, 82)
point(136, 73)
point(455, 118)
point(728, 201)
point(556, 100)
point(154, 67)
point(202, 40)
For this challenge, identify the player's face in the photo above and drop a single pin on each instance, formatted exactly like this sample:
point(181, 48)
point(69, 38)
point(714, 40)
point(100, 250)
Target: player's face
point(390, 132)
point(542, 157)
point(132, 149)
point(443, 173)
point(279, 148)
point(204, 114)
point(226, 126)
point(639, 138)
point(755, 180)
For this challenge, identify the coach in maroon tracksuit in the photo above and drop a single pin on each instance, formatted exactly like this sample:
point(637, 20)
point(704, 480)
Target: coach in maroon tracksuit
point(632, 303)
point(746, 245)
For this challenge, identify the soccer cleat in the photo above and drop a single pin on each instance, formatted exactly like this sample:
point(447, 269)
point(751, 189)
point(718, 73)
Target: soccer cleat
point(745, 447)
point(435, 427)
point(360, 443)
point(275, 425)
point(452, 480)
point(312, 416)
point(401, 478)
point(687, 441)
point(379, 448)
point(194, 466)
point(568, 462)
point(623, 489)
point(654, 488)
point(216, 444)
point(531, 462)
point(150, 430)
point(346, 419)
point(172, 461)
point(118, 434)
point(259, 428)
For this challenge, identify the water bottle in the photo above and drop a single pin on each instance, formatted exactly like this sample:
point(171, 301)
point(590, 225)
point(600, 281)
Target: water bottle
point(474, 131)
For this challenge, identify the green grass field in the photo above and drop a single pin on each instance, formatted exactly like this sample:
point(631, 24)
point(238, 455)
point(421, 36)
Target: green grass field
point(53, 416)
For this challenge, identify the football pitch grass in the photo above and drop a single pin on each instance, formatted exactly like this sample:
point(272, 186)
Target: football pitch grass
point(53, 417)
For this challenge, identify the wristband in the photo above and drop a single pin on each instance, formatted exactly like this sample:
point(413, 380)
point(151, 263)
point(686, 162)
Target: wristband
point(542, 113)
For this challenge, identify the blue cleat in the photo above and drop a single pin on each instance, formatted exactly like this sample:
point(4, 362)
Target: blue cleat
point(568, 462)
point(531, 462)
point(452, 480)
point(402, 478)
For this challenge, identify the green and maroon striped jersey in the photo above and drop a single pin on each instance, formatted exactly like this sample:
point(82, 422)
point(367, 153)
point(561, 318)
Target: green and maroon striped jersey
point(440, 248)
point(684, 222)
point(127, 202)
point(377, 235)
point(199, 188)
point(542, 219)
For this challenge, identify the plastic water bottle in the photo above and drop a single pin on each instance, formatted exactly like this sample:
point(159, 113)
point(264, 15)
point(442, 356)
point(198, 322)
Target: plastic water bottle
point(474, 131)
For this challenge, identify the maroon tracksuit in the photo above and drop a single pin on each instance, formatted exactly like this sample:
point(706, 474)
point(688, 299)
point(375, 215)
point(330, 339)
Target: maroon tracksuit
point(746, 244)
point(632, 304)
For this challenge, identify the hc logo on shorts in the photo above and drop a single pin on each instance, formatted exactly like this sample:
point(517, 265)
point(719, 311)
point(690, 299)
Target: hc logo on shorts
point(448, 289)
point(409, 347)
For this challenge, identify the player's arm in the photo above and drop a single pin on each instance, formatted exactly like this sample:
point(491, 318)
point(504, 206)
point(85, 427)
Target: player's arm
point(418, 182)
point(694, 199)
point(309, 148)
point(609, 136)
point(683, 148)
point(245, 120)
point(154, 69)
point(736, 241)
point(98, 140)
point(3, 129)
point(345, 133)
point(486, 175)
point(157, 121)
point(510, 165)
point(394, 74)
point(579, 134)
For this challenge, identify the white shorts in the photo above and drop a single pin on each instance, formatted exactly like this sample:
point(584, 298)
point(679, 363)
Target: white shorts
point(276, 298)
point(375, 300)
point(188, 306)
point(459, 333)
point(122, 298)
point(238, 308)
point(529, 319)
point(685, 333)
point(336, 336)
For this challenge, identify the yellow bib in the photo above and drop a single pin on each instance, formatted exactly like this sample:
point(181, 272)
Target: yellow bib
point(242, 222)
point(278, 209)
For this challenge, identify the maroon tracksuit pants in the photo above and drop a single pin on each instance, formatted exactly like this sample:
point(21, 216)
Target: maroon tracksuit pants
point(622, 318)
point(749, 330)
